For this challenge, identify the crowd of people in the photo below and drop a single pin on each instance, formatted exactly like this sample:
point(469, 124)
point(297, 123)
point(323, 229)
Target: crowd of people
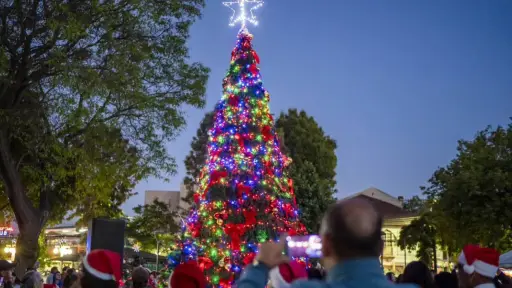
point(351, 246)
point(66, 279)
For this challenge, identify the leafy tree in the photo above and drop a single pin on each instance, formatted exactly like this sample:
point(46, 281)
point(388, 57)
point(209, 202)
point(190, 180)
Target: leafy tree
point(420, 234)
point(428, 228)
point(196, 158)
point(314, 164)
point(415, 204)
point(154, 222)
point(474, 191)
point(90, 92)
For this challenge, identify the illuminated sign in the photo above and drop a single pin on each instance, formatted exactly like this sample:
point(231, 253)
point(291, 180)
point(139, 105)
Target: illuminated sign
point(6, 231)
point(305, 246)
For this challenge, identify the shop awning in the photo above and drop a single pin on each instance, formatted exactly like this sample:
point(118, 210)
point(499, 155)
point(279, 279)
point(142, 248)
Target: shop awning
point(68, 258)
point(150, 257)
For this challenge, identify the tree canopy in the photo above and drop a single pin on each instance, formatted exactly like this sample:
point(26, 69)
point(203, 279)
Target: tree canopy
point(420, 234)
point(467, 199)
point(474, 191)
point(414, 204)
point(197, 156)
point(314, 164)
point(154, 222)
point(90, 93)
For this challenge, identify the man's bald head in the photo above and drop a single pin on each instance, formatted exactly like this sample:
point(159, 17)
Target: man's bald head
point(354, 227)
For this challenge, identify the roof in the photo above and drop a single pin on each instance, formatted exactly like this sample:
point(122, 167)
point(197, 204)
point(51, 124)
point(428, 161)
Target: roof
point(376, 193)
point(387, 210)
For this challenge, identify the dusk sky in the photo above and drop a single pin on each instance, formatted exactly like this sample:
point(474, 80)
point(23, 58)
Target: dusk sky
point(395, 82)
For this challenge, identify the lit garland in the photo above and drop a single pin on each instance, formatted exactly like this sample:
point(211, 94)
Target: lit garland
point(243, 197)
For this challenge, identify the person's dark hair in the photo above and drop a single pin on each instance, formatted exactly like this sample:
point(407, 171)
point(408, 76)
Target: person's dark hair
point(340, 233)
point(418, 273)
point(70, 279)
point(502, 279)
point(140, 284)
point(89, 281)
point(446, 280)
point(390, 276)
point(55, 277)
point(140, 277)
point(399, 278)
point(54, 269)
point(314, 273)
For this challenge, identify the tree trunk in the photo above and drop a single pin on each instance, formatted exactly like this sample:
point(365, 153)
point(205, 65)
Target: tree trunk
point(28, 218)
point(27, 248)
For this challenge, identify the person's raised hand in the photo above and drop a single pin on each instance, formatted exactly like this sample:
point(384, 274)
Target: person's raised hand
point(272, 253)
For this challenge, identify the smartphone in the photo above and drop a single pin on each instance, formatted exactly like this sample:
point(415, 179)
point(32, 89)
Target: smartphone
point(304, 246)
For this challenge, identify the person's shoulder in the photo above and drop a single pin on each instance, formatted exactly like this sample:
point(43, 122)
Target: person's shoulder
point(304, 283)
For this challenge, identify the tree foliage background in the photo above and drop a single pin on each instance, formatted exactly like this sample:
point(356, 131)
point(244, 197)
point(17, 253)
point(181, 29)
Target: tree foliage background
point(314, 164)
point(415, 204)
point(419, 235)
point(473, 193)
point(154, 222)
point(197, 156)
point(90, 91)
point(467, 199)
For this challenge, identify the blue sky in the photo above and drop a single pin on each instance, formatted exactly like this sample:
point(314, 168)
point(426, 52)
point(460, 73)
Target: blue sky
point(395, 82)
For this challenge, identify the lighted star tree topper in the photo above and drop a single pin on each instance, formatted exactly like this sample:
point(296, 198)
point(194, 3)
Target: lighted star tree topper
point(242, 16)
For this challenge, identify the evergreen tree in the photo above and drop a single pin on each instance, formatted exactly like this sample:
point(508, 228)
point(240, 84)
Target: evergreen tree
point(244, 198)
point(314, 164)
point(197, 156)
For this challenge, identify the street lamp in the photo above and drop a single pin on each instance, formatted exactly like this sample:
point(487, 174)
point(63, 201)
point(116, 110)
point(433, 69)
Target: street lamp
point(157, 247)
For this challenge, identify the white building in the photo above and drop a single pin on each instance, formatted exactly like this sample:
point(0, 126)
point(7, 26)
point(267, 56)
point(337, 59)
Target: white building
point(395, 217)
point(173, 198)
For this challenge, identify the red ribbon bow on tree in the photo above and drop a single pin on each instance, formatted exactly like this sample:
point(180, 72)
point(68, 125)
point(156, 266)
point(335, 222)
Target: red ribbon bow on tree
point(250, 217)
point(204, 263)
point(241, 188)
point(216, 175)
point(234, 231)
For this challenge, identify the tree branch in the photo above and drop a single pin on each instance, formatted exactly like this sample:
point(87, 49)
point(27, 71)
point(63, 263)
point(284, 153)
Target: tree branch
point(15, 190)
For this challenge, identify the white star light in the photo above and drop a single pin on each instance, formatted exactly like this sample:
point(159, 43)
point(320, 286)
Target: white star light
point(243, 16)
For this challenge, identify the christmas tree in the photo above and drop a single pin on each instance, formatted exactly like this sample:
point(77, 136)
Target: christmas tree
point(244, 197)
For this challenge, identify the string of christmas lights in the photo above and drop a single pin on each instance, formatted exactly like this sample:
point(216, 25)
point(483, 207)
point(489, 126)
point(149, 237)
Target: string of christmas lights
point(243, 197)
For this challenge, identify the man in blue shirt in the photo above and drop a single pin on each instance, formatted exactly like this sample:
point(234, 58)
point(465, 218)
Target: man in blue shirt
point(351, 246)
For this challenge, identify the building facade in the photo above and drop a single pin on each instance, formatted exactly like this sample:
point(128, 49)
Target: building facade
point(173, 198)
point(395, 217)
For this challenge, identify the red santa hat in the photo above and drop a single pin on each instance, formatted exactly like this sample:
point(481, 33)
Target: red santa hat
point(283, 275)
point(468, 249)
point(187, 275)
point(484, 261)
point(103, 264)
